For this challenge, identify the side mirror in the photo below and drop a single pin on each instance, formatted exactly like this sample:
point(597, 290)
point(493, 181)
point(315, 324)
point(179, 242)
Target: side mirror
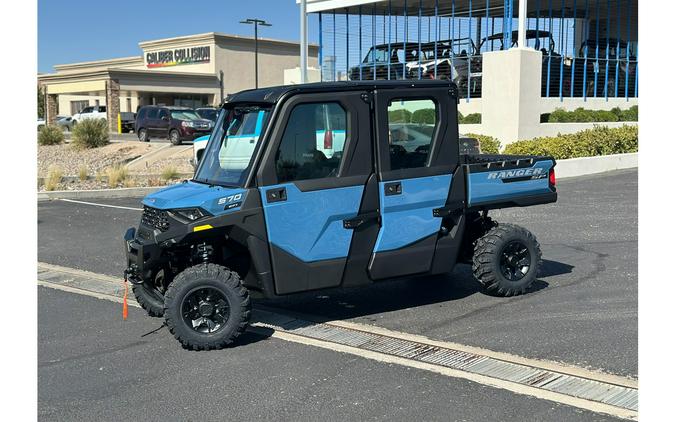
point(166, 118)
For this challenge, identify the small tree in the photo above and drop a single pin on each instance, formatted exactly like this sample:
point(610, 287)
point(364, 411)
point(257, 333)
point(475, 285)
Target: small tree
point(41, 102)
point(424, 116)
point(400, 116)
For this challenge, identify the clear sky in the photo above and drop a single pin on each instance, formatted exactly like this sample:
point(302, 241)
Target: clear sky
point(77, 30)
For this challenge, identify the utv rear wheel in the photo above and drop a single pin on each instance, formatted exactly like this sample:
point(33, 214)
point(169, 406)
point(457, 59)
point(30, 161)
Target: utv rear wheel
point(206, 307)
point(506, 260)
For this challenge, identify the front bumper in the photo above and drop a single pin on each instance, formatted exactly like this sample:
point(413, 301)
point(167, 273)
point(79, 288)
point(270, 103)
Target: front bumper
point(143, 258)
point(189, 134)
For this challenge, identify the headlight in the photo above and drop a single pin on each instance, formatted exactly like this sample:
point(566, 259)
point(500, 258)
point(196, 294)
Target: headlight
point(185, 123)
point(190, 214)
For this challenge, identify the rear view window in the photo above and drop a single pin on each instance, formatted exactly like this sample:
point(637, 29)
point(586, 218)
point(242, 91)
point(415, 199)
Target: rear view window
point(412, 124)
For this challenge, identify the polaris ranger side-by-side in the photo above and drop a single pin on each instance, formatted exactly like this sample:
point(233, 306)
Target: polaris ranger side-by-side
point(329, 185)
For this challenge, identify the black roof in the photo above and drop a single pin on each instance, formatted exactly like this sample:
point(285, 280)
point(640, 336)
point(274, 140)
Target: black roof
point(529, 34)
point(275, 93)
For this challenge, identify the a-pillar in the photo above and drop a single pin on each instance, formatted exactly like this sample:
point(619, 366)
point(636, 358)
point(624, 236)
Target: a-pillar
point(511, 94)
point(112, 101)
point(51, 108)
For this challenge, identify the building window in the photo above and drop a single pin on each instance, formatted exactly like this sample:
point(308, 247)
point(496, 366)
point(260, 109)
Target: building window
point(313, 142)
point(77, 106)
point(128, 104)
point(412, 125)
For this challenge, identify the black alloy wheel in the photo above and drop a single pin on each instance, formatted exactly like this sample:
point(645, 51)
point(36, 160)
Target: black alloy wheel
point(205, 309)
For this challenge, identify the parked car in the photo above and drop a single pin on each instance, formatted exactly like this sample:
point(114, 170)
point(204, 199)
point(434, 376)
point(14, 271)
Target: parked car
point(178, 124)
point(65, 123)
point(279, 217)
point(128, 121)
point(91, 112)
point(208, 113)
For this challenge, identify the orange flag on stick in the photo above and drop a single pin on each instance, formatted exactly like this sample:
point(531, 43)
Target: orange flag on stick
point(125, 308)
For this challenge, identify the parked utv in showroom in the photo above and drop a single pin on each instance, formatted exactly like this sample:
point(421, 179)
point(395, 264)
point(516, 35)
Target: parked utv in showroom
point(307, 187)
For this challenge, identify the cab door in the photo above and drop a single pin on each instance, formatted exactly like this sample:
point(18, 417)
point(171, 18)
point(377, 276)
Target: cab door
point(417, 156)
point(312, 181)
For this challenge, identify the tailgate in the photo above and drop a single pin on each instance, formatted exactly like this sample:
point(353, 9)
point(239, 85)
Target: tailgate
point(501, 181)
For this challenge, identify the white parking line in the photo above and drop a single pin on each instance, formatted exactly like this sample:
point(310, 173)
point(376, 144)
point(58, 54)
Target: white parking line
point(101, 205)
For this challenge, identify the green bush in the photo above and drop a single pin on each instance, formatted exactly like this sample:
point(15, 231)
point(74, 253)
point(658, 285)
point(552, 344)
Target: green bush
point(424, 116)
point(50, 135)
point(400, 116)
point(581, 115)
point(488, 144)
point(587, 143)
point(472, 118)
point(90, 133)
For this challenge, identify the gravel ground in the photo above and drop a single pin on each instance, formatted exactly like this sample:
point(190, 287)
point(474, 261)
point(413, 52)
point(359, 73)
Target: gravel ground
point(179, 161)
point(69, 159)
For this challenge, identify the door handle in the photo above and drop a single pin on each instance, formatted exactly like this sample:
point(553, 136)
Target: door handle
point(276, 195)
point(392, 188)
point(356, 222)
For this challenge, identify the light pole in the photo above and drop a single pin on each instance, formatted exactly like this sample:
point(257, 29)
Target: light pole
point(255, 23)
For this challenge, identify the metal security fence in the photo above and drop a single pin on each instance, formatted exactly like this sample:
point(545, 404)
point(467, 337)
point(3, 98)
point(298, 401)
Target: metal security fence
point(589, 47)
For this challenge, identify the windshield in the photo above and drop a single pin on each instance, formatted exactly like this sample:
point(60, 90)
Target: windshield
point(184, 115)
point(227, 159)
point(208, 113)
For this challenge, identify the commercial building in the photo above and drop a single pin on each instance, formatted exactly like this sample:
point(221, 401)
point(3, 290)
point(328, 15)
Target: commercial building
point(192, 70)
point(514, 60)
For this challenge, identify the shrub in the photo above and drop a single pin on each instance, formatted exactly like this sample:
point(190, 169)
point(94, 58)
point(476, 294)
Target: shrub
point(581, 115)
point(90, 133)
point(53, 178)
point(116, 174)
point(50, 135)
point(400, 116)
point(488, 144)
point(170, 173)
point(424, 116)
point(600, 140)
point(472, 118)
point(83, 173)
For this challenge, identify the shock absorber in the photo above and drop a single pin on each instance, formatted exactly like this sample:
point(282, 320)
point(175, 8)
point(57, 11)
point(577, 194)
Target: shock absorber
point(204, 252)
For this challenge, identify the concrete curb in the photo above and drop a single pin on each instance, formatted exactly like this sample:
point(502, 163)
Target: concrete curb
point(591, 165)
point(572, 167)
point(97, 193)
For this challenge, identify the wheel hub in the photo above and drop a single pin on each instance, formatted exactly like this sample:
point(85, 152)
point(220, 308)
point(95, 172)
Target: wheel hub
point(515, 260)
point(205, 310)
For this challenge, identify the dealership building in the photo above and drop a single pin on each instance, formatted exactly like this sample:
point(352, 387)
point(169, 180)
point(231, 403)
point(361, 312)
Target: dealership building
point(514, 61)
point(193, 71)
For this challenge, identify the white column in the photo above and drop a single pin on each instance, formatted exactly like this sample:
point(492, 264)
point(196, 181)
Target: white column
point(522, 20)
point(303, 41)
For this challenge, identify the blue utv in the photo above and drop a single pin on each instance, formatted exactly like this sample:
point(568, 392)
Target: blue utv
point(329, 185)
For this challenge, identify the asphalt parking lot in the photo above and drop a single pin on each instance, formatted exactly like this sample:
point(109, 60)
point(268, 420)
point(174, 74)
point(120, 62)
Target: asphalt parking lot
point(583, 312)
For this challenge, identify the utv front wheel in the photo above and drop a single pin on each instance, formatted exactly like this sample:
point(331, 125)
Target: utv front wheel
point(506, 260)
point(150, 299)
point(206, 307)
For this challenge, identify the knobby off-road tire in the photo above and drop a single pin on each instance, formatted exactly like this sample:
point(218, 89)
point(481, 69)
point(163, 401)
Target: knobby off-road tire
point(212, 297)
point(506, 260)
point(150, 299)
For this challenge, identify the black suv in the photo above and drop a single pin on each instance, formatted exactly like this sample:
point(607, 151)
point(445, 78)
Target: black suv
point(178, 124)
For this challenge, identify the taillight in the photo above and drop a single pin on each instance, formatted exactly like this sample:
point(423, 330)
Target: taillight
point(328, 139)
point(551, 178)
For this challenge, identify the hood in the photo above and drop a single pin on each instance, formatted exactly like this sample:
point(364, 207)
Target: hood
point(214, 199)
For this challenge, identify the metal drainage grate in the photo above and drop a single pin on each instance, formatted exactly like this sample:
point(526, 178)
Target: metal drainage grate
point(575, 386)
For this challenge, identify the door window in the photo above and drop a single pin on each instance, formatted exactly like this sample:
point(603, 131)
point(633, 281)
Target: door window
point(163, 113)
point(313, 142)
point(412, 124)
point(152, 113)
